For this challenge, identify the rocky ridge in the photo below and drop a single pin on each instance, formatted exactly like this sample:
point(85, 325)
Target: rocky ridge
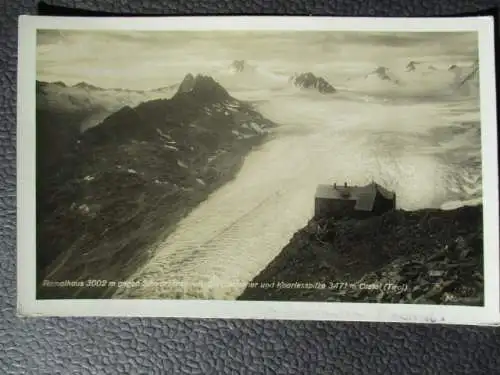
point(123, 185)
point(425, 257)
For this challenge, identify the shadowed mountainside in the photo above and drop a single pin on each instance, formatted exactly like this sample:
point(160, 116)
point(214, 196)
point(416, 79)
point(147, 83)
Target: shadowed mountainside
point(87, 104)
point(124, 184)
point(427, 257)
point(63, 112)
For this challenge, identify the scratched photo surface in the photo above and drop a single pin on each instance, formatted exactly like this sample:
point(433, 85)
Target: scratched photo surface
point(229, 165)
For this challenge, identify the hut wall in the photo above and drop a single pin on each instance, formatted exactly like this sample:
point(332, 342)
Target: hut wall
point(382, 204)
point(333, 208)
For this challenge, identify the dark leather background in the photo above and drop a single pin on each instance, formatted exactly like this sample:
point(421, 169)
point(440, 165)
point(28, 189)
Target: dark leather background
point(171, 346)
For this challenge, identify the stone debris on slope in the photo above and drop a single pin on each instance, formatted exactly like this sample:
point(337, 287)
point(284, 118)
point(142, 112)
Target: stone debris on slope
point(449, 276)
point(428, 256)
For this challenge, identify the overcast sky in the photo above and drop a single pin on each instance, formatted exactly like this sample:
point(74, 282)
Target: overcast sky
point(142, 60)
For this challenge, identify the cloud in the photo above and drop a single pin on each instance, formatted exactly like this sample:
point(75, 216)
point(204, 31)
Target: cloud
point(139, 58)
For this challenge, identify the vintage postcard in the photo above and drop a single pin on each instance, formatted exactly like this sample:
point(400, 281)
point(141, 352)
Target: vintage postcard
point(258, 168)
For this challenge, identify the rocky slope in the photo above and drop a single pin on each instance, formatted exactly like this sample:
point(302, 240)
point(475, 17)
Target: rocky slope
point(125, 183)
point(92, 103)
point(427, 257)
point(64, 111)
point(310, 81)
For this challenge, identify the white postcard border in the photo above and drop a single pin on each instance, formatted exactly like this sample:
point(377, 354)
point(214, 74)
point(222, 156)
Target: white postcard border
point(26, 222)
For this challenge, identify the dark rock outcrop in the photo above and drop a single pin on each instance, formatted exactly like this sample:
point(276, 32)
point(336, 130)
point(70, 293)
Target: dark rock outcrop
point(412, 66)
point(384, 74)
point(427, 256)
point(238, 65)
point(127, 182)
point(310, 81)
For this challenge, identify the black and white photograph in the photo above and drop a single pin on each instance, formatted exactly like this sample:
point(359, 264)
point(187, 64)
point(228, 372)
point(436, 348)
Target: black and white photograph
point(343, 164)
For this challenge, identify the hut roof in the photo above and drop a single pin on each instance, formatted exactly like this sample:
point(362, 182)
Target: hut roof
point(363, 195)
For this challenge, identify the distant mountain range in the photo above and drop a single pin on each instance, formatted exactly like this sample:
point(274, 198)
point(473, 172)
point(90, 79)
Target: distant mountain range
point(419, 66)
point(461, 75)
point(109, 193)
point(63, 112)
point(93, 101)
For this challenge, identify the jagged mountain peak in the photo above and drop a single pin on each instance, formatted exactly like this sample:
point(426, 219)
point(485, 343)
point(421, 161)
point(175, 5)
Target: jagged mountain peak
point(187, 84)
point(202, 86)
